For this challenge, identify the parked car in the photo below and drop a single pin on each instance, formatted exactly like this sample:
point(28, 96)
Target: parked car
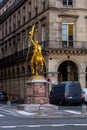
point(84, 90)
point(3, 96)
point(66, 92)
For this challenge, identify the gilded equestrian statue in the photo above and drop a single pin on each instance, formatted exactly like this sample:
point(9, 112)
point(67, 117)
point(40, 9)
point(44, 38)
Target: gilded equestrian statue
point(37, 60)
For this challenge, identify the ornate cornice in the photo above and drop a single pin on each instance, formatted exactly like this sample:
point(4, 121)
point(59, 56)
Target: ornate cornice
point(66, 51)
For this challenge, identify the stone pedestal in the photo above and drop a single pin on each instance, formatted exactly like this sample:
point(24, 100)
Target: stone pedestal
point(37, 91)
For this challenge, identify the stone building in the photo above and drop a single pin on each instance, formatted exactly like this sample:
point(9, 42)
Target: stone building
point(61, 29)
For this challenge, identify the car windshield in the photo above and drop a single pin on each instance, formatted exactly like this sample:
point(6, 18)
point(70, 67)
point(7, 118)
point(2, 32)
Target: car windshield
point(74, 88)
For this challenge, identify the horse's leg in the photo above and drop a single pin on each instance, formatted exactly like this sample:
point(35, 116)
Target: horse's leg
point(36, 68)
point(42, 64)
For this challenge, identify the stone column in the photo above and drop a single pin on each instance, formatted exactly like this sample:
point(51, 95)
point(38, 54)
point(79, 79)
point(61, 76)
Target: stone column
point(82, 79)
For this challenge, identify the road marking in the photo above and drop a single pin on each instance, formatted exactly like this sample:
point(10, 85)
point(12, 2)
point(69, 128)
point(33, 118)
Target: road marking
point(25, 113)
point(8, 126)
point(1, 115)
point(34, 126)
point(7, 112)
point(42, 125)
point(73, 112)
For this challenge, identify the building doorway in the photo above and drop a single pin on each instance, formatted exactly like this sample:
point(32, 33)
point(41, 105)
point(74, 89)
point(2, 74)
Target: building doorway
point(67, 71)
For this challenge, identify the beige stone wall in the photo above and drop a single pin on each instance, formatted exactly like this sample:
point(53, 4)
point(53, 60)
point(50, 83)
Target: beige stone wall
point(81, 3)
point(76, 3)
point(80, 24)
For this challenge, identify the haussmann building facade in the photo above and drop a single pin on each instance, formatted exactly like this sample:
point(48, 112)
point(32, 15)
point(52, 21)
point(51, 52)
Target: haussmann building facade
point(61, 29)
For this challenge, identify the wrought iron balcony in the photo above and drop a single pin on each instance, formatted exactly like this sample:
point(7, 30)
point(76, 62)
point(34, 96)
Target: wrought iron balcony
point(75, 45)
point(13, 57)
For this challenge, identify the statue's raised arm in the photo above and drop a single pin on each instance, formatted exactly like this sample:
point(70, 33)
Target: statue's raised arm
point(31, 34)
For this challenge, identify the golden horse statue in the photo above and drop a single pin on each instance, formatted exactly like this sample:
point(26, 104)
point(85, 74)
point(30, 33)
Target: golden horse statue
point(37, 60)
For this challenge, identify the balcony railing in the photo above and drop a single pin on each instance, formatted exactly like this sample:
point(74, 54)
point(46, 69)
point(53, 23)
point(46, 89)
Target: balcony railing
point(64, 44)
point(13, 57)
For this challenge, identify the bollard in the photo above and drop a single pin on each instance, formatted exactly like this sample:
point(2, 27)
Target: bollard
point(40, 111)
point(8, 104)
point(83, 109)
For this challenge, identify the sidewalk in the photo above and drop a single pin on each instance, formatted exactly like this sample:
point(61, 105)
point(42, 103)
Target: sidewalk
point(40, 111)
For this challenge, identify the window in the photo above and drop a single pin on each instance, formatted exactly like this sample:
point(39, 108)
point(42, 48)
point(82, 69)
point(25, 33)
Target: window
point(67, 2)
point(23, 40)
point(36, 7)
point(6, 27)
point(29, 10)
point(43, 4)
point(2, 75)
point(2, 50)
point(67, 34)
point(14, 20)
point(2, 30)
point(14, 26)
point(14, 41)
point(18, 23)
point(23, 71)
point(24, 15)
point(18, 72)
point(6, 47)
point(9, 25)
point(19, 18)
point(36, 4)
point(36, 32)
point(9, 43)
point(9, 73)
point(18, 42)
point(43, 33)
point(23, 19)
point(13, 72)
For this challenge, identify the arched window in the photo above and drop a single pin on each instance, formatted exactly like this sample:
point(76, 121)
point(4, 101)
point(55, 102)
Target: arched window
point(23, 71)
point(13, 72)
point(1, 75)
point(18, 72)
point(5, 73)
point(9, 73)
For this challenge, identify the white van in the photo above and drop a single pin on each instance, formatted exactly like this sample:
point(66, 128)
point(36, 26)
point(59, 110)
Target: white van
point(84, 90)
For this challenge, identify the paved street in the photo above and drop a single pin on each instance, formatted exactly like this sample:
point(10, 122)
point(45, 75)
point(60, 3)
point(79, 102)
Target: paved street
point(66, 118)
point(44, 111)
point(8, 121)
